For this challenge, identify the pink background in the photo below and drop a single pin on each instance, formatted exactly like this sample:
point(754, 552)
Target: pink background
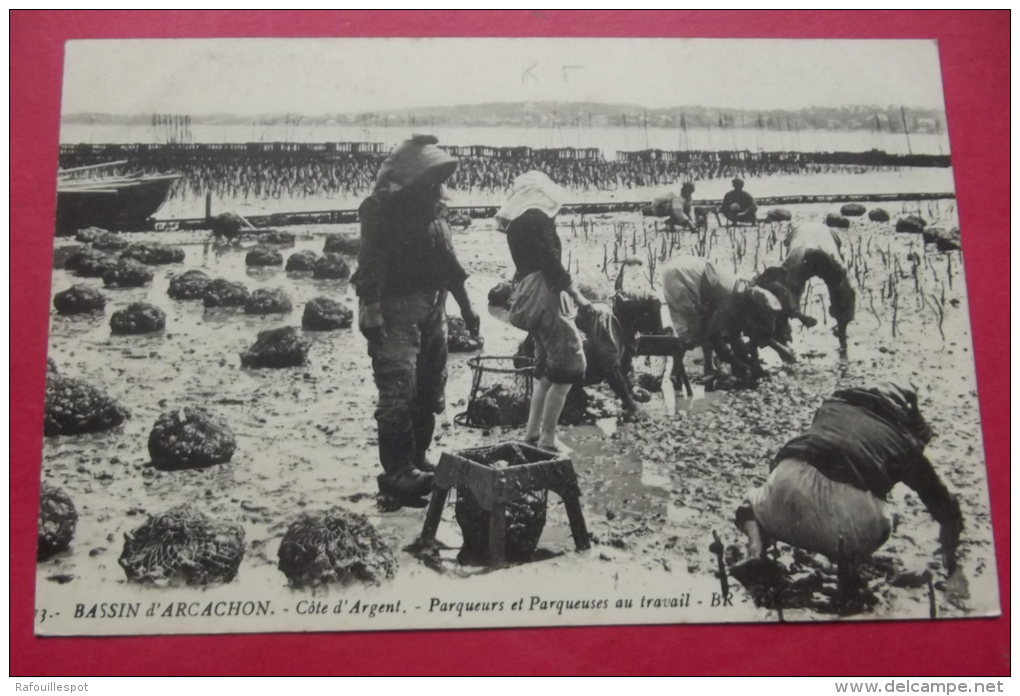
point(974, 50)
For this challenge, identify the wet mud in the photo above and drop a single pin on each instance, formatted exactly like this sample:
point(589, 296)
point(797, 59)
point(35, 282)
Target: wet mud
point(653, 493)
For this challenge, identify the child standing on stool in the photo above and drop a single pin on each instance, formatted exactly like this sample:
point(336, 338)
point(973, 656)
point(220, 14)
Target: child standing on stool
point(545, 301)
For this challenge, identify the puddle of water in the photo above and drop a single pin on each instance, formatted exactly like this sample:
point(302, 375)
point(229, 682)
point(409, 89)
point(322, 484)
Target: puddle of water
point(306, 435)
point(613, 480)
point(654, 478)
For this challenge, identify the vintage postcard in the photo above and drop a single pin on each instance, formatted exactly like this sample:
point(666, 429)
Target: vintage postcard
point(377, 334)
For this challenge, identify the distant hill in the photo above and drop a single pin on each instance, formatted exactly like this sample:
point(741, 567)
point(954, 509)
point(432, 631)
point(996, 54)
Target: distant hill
point(538, 114)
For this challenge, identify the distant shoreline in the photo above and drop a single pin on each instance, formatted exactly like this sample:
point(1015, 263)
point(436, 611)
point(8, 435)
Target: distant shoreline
point(888, 119)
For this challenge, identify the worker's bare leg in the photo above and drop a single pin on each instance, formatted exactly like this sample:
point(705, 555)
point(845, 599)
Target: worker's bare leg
point(755, 547)
point(540, 387)
point(756, 570)
point(555, 399)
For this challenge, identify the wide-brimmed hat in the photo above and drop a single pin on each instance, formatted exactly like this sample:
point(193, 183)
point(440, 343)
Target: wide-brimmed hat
point(413, 161)
point(532, 191)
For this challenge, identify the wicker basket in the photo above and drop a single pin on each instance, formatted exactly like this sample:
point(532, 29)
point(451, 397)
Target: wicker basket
point(500, 392)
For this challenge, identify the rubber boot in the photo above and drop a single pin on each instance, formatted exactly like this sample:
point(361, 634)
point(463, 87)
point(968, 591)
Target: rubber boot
point(397, 452)
point(424, 429)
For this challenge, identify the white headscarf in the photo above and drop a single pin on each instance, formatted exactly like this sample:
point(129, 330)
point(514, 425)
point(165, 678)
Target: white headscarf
point(531, 190)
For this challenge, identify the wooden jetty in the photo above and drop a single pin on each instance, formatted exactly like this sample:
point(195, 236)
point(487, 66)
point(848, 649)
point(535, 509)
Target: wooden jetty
point(871, 158)
point(343, 217)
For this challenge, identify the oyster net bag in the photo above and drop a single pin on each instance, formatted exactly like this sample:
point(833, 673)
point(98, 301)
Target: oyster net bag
point(191, 438)
point(182, 546)
point(282, 347)
point(138, 318)
point(75, 407)
point(334, 546)
point(500, 392)
point(188, 285)
point(57, 521)
point(154, 253)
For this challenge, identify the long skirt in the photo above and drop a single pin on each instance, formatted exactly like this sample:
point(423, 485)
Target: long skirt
point(800, 506)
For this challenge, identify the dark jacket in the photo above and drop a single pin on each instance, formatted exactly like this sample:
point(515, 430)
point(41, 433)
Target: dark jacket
point(406, 247)
point(871, 442)
point(603, 342)
point(535, 246)
point(741, 198)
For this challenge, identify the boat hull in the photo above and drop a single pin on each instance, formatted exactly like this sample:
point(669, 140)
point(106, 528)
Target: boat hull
point(111, 209)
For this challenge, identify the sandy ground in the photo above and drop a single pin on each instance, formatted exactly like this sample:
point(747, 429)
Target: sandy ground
point(653, 494)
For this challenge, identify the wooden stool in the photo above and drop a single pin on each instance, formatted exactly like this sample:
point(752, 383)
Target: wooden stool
point(665, 345)
point(495, 488)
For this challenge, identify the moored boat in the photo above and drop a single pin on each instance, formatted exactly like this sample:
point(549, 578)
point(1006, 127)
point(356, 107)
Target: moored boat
point(111, 202)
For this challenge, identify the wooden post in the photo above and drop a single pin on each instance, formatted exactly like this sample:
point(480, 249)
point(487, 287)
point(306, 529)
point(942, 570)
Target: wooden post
point(932, 613)
point(681, 371)
point(575, 516)
point(208, 205)
point(717, 548)
point(906, 134)
point(434, 514)
point(497, 535)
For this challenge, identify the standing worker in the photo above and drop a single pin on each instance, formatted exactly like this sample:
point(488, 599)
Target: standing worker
point(605, 353)
point(738, 205)
point(406, 267)
point(545, 301)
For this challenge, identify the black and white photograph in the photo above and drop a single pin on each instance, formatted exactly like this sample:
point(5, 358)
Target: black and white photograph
point(388, 334)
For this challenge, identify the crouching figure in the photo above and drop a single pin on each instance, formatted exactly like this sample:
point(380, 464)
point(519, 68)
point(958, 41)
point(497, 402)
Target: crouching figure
point(814, 251)
point(713, 309)
point(827, 489)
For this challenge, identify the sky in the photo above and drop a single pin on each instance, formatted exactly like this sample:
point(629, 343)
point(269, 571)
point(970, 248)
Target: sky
point(334, 76)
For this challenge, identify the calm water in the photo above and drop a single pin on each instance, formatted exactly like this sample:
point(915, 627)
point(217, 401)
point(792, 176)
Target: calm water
point(609, 140)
